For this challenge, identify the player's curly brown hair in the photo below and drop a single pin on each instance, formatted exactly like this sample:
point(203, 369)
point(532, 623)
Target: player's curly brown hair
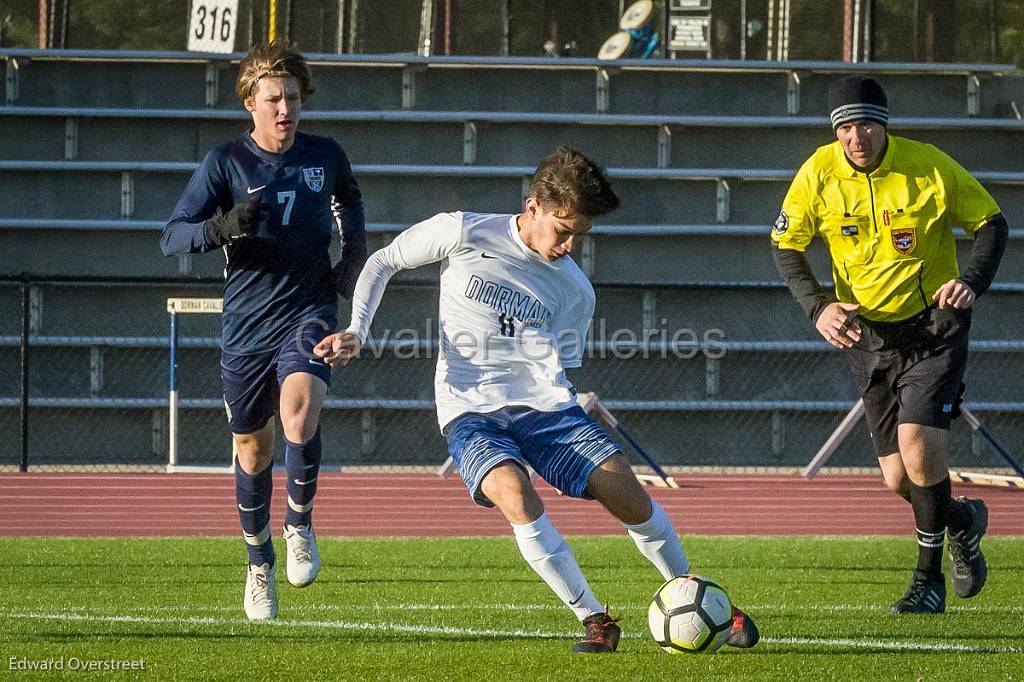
point(568, 181)
point(275, 59)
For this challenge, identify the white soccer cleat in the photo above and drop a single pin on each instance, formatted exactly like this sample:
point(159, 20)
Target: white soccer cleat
point(303, 555)
point(260, 600)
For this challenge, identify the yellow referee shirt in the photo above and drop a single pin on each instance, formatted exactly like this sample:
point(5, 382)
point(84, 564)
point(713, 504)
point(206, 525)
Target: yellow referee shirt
point(890, 232)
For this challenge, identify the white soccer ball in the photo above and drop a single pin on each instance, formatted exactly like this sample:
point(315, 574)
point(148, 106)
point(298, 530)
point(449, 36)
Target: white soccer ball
point(690, 614)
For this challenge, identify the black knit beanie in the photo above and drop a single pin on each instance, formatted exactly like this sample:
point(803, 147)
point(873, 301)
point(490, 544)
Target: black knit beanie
point(856, 98)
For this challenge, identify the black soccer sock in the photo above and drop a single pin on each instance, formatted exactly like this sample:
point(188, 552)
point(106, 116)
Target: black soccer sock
point(958, 516)
point(931, 506)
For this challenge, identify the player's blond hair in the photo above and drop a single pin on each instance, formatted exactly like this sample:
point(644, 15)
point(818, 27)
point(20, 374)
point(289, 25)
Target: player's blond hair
point(276, 59)
point(572, 184)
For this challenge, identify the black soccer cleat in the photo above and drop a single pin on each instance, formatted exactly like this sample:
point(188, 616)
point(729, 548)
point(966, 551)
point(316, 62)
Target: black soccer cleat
point(744, 633)
point(602, 636)
point(967, 567)
point(926, 594)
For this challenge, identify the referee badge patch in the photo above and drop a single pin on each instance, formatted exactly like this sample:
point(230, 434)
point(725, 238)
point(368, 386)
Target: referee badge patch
point(904, 241)
point(781, 223)
point(314, 178)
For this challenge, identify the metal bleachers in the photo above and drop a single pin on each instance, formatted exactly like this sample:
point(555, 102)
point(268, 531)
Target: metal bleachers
point(701, 153)
point(482, 138)
point(381, 82)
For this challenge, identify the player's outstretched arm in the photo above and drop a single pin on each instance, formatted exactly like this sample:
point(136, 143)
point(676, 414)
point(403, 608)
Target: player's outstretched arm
point(427, 242)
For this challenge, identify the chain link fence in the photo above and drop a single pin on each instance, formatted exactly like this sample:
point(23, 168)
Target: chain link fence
point(887, 30)
point(98, 357)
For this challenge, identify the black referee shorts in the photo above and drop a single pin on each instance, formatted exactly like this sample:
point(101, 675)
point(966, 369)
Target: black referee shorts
point(910, 372)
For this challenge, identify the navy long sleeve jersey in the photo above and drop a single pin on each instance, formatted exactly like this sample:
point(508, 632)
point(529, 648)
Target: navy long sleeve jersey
point(281, 276)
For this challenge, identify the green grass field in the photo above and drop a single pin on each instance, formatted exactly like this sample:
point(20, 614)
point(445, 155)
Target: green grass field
point(470, 609)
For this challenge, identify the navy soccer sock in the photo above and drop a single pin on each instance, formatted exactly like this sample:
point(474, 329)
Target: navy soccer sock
point(252, 493)
point(930, 505)
point(302, 463)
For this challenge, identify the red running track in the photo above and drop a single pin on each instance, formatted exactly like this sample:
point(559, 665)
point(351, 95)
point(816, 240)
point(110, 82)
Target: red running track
point(77, 504)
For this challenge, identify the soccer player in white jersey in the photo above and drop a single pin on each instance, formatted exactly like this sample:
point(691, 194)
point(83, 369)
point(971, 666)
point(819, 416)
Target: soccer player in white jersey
point(514, 314)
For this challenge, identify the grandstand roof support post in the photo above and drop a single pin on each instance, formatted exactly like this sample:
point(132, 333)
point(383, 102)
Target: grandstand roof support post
point(95, 371)
point(650, 311)
point(26, 314)
point(712, 373)
point(159, 433)
point(973, 95)
point(778, 435)
point(664, 146)
point(185, 265)
point(368, 442)
point(793, 94)
point(35, 310)
point(722, 202)
point(587, 255)
point(70, 138)
point(212, 84)
point(524, 187)
point(408, 86)
point(469, 143)
point(602, 88)
point(11, 80)
point(978, 445)
point(127, 195)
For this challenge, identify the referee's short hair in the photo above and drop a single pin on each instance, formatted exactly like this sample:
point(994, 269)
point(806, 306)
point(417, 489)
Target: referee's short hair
point(276, 59)
point(572, 184)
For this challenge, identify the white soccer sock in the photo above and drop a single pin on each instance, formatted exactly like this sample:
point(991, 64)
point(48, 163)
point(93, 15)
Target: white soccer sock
point(548, 553)
point(657, 540)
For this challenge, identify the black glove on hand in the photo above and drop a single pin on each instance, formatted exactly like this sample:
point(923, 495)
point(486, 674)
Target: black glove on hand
point(237, 223)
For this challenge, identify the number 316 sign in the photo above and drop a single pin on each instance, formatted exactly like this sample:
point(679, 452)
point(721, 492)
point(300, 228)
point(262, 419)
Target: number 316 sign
point(212, 26)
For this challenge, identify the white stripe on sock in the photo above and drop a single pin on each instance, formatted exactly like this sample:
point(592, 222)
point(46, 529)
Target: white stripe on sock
point(259, 538)
point(301, 508)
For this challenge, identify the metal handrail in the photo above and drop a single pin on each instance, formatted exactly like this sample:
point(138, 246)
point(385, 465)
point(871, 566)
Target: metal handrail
point(533, 118)
point(400, 60)
point(430, 170)
point(611, 230)
point(651, 346)
point(429, 405)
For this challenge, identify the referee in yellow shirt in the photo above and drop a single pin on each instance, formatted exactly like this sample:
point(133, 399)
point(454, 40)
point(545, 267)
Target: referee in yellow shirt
point(886, 207)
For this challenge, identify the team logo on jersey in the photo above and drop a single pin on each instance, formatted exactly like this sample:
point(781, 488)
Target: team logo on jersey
point(314, 178)
point(781, 223)
point(904, 241)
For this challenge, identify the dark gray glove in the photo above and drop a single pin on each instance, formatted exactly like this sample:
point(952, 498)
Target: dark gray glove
point(237, 223)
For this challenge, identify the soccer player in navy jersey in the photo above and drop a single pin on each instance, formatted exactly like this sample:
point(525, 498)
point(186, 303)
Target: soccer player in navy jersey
point(514, 315)
point(270, 200)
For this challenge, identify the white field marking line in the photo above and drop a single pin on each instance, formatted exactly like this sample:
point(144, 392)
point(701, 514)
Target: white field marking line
point(753, 608)
point(283, 623)
point(496, 634)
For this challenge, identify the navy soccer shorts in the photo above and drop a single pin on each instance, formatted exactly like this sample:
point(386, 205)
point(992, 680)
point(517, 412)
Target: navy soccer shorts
point(252, 383)
point(562, 447)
